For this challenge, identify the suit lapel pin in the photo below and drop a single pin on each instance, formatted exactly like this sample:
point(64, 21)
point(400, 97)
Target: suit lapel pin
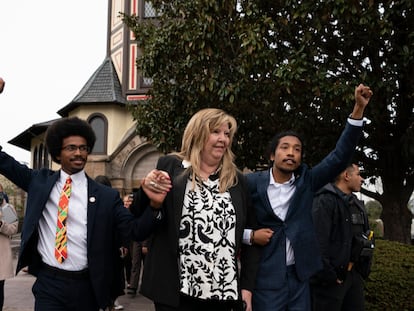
point(92, 199)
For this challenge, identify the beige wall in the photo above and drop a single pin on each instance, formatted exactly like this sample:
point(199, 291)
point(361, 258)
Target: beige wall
point(119, 121)
point(129, 157)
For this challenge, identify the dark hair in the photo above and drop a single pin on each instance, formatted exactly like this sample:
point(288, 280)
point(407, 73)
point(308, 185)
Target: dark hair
point(104, 180)
point(349, 167)
point(276, 139)
point(66, 127)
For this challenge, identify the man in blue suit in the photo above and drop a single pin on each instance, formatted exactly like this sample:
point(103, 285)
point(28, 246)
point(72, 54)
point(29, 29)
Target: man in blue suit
point(283, 197)
point(80, 276)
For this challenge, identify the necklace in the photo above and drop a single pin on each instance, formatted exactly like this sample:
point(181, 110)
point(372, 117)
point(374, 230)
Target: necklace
point(205, 175)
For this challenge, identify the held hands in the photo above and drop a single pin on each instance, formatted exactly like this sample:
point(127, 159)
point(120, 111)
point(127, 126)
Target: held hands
point(362, 96)
point(156, 185)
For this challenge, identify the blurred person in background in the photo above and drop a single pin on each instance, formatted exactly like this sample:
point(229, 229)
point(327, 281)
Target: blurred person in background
point(6, 256)
point(126, 250)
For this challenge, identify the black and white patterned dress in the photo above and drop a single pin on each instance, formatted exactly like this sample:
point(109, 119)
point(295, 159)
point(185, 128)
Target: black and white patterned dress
point(207, 243)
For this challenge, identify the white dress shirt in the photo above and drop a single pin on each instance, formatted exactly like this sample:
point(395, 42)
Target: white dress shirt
point(280, 196)
point(76, 224)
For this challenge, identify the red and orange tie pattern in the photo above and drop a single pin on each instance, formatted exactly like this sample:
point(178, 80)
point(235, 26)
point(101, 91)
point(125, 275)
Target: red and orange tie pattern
point(61, 251)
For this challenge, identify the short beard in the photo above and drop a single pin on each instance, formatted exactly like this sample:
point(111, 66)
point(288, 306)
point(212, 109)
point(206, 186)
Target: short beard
point(285, 171)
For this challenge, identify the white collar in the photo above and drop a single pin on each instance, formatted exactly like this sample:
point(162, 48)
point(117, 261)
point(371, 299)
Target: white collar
point(274, 182)
point(76, 178)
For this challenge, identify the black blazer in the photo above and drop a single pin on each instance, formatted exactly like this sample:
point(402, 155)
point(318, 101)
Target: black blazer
point(160, 281)
point(106, 214)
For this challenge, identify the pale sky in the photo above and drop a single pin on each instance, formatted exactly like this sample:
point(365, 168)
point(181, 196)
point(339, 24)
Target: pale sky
point(49, 49)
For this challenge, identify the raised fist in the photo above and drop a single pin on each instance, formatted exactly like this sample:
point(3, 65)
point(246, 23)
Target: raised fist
point(2, 83)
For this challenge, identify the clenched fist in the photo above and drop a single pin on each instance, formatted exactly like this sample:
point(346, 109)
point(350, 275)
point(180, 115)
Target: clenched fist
point(2, 83)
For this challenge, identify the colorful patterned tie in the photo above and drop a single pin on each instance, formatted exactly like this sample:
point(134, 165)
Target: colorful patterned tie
point(61, 252)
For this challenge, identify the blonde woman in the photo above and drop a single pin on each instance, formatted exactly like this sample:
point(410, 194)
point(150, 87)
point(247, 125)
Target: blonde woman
point(192, 263)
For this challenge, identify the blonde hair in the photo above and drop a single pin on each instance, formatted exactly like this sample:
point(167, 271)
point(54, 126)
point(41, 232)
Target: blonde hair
point(196, 135)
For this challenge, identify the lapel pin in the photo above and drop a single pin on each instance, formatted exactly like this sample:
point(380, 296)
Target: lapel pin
point(92, 199)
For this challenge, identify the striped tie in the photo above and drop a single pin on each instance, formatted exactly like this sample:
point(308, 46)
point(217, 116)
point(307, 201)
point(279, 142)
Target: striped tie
point(61, 252)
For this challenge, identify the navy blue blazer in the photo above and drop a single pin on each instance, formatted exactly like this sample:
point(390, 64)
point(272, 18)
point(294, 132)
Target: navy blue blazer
point(106, 214)
point(298, 225)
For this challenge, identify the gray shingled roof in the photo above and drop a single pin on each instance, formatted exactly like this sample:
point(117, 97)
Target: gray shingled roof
point(102, 87)
point(23, 140)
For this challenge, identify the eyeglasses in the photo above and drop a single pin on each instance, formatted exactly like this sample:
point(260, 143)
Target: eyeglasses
point(74, 148)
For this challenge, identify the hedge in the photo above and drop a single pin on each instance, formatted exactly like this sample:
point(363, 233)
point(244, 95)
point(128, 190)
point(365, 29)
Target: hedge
point(390, 286)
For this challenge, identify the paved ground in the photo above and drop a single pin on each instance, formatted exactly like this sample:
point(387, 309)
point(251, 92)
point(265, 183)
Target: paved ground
point(18, 295)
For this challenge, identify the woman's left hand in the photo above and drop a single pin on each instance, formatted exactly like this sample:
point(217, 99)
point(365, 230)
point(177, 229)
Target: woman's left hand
point(156, 185)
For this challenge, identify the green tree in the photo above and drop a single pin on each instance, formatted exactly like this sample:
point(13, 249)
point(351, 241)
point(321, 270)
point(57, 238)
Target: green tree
point(290, 64)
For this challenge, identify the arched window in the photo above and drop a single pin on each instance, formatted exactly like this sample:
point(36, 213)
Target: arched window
point(45, 157)
point(100, 126)
point(40, 157)
point(35, 158)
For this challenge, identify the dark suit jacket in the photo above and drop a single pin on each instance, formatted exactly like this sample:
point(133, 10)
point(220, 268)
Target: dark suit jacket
point(298, 225)
point(160, 280)
point(106, 214)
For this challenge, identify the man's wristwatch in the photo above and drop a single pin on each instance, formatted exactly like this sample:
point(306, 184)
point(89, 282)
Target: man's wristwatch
point(252, 237)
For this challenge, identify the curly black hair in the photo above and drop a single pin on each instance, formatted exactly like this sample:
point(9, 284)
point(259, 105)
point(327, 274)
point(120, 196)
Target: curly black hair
point(64, 128)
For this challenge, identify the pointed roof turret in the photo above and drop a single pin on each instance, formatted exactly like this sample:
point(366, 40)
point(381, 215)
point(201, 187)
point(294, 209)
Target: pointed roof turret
point(102, 87)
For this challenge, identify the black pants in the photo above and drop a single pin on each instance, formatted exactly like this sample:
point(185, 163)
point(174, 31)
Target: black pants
point(192, 304)
point(348, 296)
point(54, 292)
point(1, 294)
point(128, 265)
point(136, 262)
